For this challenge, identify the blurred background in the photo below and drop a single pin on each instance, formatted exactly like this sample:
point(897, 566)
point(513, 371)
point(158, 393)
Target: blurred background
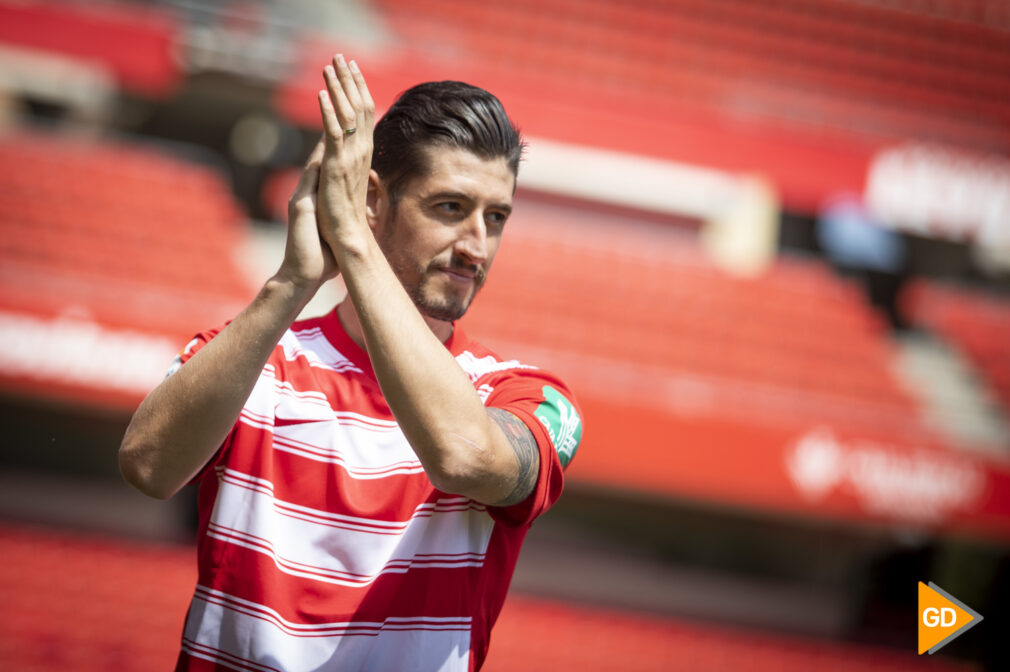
point(766, 243)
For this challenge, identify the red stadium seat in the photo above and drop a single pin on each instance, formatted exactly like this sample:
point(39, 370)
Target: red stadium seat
point(797, 330)
point(870, 69)
point(134, 44)
point(112, 216)
point(124, 242)
point(92, 604)
point(978, 324)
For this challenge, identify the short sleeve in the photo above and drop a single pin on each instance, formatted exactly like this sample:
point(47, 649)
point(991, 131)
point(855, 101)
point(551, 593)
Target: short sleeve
point(548, 408)
point(194, 346)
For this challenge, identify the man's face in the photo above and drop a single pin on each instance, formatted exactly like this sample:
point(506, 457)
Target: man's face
point(442, 235)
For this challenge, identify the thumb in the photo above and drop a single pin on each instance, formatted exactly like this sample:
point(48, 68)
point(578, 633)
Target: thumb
point(305, 191)
point(316, 156)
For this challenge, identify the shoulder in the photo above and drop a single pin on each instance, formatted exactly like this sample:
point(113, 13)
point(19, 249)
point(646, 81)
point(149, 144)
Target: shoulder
point(537, 396)
point(478, 362)
point(484, 365)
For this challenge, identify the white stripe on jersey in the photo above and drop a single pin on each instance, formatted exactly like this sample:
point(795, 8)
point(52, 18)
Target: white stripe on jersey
point(316, 349)
point(362, 450)
point(366, 447)
point(244, 635)
point(292, 404)
point(452, 532)
point(475, 368)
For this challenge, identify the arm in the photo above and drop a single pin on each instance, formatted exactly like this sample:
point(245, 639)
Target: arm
point(466, 449)
point(182, 422)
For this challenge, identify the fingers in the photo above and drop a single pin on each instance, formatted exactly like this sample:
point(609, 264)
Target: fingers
point(368, 105)
point(339, 98)
point(332, 130)
point(346, 103)
point(316, 155)
point(310, 175)
point(304, 195)
point(348, 85)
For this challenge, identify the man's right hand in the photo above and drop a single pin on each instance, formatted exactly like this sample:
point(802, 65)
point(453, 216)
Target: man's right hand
point(308, 262)
point(181, 424)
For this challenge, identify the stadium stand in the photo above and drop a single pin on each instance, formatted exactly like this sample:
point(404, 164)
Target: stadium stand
point(110, 214)
point(715, 383)
point(869, 69)
point(135, 44)
point(978, 324)
point(120, 605)
point(796, 330)
point(806, 92)
point(125, 236)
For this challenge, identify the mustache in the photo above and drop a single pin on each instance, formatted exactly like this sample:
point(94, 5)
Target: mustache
point(457, 264)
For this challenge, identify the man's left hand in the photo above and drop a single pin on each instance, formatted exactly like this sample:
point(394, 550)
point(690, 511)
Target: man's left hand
point(348, 115)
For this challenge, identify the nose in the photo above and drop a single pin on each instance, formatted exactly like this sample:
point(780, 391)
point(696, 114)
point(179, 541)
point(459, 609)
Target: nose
point(472, 242)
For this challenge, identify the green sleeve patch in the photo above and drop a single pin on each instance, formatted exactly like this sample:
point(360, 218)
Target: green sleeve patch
point(562, 422)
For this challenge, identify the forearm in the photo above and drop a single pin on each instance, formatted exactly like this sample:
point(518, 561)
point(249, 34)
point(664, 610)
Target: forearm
point(462, 450)
point(431, 397)
point(183, 421)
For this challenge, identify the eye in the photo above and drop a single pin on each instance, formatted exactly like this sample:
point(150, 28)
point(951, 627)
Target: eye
point(497, 219)
point(449, 207)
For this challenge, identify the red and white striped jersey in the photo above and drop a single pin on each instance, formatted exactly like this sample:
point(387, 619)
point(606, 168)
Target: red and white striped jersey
point(324, 546)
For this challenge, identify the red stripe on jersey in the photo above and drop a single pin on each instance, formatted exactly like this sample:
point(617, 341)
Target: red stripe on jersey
point(302, 600)
point(328, 487)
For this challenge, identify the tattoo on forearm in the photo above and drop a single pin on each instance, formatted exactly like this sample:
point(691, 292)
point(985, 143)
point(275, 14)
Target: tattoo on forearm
point(527, 454)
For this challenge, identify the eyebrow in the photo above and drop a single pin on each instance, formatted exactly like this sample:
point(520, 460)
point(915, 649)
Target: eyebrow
point(459, 195)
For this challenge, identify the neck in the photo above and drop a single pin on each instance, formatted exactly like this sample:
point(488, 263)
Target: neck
point(348, 317)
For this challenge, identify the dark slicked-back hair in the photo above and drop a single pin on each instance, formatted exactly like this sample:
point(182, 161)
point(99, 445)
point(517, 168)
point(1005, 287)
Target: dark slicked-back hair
point(446, 114)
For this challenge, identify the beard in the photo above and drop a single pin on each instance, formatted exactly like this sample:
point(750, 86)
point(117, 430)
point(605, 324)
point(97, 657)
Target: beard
point(423, 285)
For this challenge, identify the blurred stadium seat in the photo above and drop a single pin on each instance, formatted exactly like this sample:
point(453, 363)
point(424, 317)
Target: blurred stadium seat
point(134, 44)
point(93, 604)
point(976, 323)
point(112, 212)
point(797, 329)
point(80, 603)
point(868, 68)
point(128, 237)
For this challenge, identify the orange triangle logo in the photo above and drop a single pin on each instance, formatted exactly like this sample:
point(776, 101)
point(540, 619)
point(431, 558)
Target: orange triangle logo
point(942, 617)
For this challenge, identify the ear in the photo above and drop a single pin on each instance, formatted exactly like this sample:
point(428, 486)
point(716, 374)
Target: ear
point(376, 201)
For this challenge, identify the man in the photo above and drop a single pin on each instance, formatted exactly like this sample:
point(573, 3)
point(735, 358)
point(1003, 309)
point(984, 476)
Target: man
point(365, 478)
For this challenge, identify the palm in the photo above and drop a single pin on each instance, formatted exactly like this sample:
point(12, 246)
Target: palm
point(307, 259)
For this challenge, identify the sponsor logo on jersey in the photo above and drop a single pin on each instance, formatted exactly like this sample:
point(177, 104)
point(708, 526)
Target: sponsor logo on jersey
point(562, 422)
